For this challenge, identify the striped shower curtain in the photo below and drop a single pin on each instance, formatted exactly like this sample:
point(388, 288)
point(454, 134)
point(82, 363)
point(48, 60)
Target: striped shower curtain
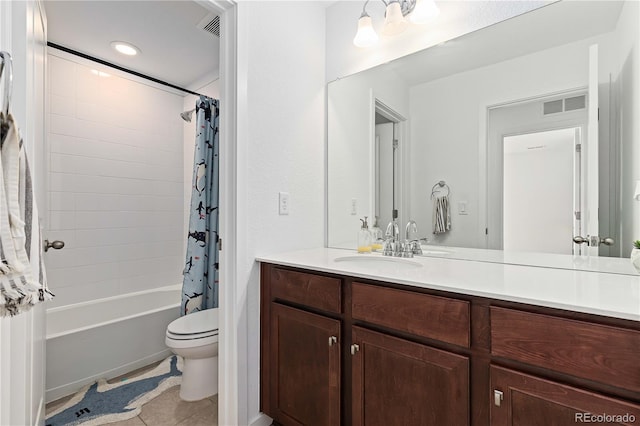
point(200, 275)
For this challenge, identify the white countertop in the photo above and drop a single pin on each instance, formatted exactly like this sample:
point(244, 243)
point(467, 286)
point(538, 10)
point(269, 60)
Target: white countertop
point(606, 294)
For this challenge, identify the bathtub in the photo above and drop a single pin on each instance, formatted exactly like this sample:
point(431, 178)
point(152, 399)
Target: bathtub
point(107, 337)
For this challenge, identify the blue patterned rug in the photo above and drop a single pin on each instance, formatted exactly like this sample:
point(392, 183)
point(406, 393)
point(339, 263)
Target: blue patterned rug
point(102, 403)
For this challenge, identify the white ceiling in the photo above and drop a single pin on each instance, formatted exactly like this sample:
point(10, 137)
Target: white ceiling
point(552, 25)
point(172, 48)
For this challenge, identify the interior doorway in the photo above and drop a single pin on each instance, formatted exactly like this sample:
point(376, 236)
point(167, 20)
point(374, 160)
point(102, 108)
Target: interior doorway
point(536, 179)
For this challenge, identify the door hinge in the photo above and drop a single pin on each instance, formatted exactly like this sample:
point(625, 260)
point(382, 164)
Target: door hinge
point(486, 231)
point(578, 147)
point(578, 215)
point(220, 244)
point(395, 143)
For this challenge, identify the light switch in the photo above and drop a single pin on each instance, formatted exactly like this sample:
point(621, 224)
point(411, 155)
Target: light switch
point(462, 208)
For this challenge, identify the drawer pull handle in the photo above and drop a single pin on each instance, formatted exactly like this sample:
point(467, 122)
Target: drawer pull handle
point(497, 397)
point(333, 340)
point(354, 348)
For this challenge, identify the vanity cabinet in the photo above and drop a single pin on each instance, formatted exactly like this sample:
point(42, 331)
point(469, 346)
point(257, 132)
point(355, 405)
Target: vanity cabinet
point(399, 382)
point(522, 399)
point(305, 367)
point(340, 350)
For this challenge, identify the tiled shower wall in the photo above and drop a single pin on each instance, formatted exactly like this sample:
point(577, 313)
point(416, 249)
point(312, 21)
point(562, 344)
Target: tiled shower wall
point(115, 183)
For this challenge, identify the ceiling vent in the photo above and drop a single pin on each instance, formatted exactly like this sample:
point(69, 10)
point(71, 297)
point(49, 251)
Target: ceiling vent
point(210, 24)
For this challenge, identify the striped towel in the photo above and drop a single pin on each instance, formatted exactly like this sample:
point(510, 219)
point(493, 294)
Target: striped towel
point(22, 276)
point(441, 215)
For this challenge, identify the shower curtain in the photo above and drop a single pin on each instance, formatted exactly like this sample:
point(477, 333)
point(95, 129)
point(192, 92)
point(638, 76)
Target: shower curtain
point(200, 275)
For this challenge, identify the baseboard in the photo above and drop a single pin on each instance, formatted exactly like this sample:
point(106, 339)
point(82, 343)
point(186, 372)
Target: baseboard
point(73, 387)
point(261, 420)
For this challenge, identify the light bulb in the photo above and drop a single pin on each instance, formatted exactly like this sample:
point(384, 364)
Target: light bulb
point(424, 12)
point(125, 48)
point(366, 36)
point(394, 22)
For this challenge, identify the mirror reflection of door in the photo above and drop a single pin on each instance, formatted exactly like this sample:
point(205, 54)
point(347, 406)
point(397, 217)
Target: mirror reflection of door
point(541, 191)
point(384, 197)
point(537, 187)
point(387, 194)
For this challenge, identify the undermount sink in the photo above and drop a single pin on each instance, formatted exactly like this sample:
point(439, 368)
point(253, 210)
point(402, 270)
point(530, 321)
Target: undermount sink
point(379, 262)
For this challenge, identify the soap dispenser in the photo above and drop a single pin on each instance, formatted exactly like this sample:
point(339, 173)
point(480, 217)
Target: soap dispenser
point(364, 237)
point(376, 236)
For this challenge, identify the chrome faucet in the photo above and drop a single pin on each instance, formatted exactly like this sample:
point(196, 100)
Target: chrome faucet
point(391, 243)
point(411, 237)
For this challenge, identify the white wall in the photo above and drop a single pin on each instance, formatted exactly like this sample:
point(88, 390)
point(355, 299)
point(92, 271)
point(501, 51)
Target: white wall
point(457, 18)
point(280, 145)
point(212, 90)
point(627, 86)
point(116, 183)
point(447, 127)
point(351, 122)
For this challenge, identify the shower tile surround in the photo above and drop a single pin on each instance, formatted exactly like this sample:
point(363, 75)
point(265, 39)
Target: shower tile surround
point(116, 183)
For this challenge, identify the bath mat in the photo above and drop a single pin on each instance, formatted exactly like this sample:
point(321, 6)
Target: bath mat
point(102, 403)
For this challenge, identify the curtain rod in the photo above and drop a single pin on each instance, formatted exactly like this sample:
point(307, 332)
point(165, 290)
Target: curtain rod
point(119, 68)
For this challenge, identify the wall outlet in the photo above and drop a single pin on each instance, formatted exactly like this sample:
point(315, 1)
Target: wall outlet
point(283, 201)
point(354, 207)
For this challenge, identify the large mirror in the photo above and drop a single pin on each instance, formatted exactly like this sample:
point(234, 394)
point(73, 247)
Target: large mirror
point(502, 145)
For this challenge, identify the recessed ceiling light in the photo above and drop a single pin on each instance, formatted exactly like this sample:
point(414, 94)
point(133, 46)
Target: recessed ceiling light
point(125, 48)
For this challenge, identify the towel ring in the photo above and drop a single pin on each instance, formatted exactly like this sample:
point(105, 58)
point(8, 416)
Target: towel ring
point(438, 187)
point(7, 63)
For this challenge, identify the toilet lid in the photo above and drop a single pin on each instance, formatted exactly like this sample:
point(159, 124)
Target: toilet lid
point(195, 323)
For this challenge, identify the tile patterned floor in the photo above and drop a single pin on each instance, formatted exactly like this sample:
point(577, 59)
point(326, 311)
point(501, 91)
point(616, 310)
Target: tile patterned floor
point(167, 409)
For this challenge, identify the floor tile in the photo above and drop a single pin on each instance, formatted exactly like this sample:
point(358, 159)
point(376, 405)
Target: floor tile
point(168, 409)
point(135, 421)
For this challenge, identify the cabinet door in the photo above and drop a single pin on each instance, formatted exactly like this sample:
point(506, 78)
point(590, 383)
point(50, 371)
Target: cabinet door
point(524, 400)
point(305, 364)
point(397, 382)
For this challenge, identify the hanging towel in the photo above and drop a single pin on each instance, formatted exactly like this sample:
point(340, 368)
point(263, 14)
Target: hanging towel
point(441, 215)
point(22, 275)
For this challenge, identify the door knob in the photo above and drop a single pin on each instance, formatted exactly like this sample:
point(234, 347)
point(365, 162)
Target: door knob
point(56, 245)
point(594, 240)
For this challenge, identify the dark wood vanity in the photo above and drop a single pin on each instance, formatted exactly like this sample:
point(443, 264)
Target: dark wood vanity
point(339, 350)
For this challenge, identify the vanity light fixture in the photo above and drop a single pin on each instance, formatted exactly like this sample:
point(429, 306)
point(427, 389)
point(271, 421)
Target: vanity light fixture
point(395, 22)
point(125, 48)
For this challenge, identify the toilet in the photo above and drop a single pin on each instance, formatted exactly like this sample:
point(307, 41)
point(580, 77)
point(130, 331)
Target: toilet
point(194, 337)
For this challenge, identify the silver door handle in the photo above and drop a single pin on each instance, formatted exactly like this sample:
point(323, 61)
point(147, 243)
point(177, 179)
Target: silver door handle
point(56, 245)
point(594, 240)
point(333, 340)
point(497, 397)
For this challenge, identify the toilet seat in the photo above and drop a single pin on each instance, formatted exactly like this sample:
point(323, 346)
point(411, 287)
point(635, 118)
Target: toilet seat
point(201, 326)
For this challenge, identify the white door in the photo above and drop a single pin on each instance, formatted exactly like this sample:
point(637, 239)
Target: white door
point(22, 338)
point(591, 176)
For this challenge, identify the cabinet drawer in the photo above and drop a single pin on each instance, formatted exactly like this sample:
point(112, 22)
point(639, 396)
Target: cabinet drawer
point(310, 290)
point(429, 316)
point(591, 351)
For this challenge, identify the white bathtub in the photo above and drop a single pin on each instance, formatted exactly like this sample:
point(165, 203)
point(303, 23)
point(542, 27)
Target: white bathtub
point(107, 337)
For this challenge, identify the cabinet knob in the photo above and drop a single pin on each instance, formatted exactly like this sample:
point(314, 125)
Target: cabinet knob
point(354, 348)
point(333, 340)
point(497, 397)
